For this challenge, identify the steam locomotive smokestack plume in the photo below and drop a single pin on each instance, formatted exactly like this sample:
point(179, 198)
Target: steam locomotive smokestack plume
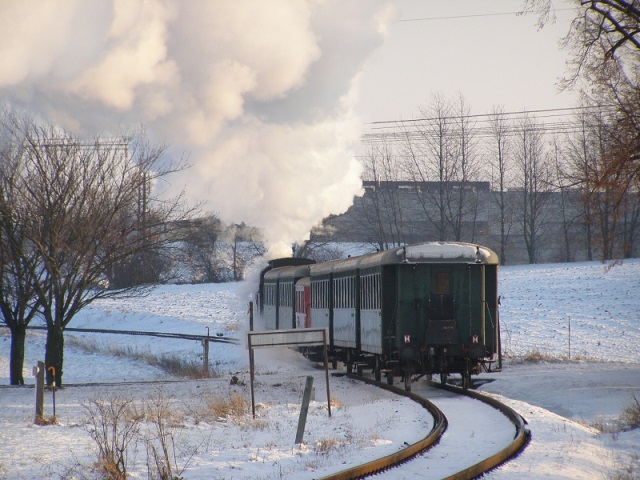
point(259, 94)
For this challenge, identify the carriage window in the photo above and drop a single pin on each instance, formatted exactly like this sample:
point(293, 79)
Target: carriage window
point(441, 283)
point(343, 292)
point(286, 294)
point(320, 294)
point(369, 292)
point(269, 294)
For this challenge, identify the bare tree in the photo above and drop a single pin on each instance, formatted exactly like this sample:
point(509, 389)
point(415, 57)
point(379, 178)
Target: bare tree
point(501, 166)
point(427, 154)
point(201, 239)
point(601, 31)
point(320, 246)
point(566, 208)
point(78, 212)
point(462, 203)
point(631, 221)
point(381, 212)
point(534, 185)
point(18, 259)
point(243, 241)
point(604, 41)
point(441, 156)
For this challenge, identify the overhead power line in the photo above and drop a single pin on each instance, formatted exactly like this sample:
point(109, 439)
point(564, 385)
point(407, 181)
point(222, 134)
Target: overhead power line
point(456, 17)
point(550, 111)
point(558, 120)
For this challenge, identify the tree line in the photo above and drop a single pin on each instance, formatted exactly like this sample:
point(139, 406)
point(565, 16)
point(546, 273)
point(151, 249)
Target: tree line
point(439, 169)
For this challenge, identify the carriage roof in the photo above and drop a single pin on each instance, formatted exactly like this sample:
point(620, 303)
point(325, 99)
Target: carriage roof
point(433, 252)
point(290, 272)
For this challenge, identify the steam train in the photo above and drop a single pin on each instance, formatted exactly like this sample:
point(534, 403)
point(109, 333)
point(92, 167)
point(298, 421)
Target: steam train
point(410, 311)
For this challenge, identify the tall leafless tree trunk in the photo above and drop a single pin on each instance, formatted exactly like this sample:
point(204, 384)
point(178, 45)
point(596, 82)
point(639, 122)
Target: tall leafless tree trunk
point(18, 258)
point(427, 155)
point(381, 213)
point(462, 202)
point(500, 130)
point(440, 155)
point(534, 184)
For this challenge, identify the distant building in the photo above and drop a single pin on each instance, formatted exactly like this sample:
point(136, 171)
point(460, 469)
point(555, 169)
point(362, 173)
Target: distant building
point(391, 213)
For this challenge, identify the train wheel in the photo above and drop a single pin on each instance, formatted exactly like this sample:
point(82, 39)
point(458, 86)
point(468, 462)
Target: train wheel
point(466, 377)
point(466, 380)
point(376, 369)
point(389, 375)
point(349, 363)
point(443, 378)
point(407, 380)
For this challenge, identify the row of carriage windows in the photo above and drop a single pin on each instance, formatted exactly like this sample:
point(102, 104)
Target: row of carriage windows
point(343, 293)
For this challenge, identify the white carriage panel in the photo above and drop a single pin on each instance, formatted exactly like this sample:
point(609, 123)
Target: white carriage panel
point(371, 331)
point(269, 316)
point(320, 318)
point(285, 317)
point(344, 327)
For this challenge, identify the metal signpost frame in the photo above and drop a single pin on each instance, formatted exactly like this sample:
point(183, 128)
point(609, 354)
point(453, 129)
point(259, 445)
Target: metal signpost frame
point(288, 338)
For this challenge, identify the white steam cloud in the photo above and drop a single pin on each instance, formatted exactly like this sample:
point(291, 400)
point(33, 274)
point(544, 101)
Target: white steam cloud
point(258, 93)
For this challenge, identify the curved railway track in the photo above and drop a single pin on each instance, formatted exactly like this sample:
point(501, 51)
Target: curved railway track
point(519, 442)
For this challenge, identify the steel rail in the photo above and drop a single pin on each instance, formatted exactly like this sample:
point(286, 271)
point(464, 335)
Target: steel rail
point(389, 461)
point(519, 442)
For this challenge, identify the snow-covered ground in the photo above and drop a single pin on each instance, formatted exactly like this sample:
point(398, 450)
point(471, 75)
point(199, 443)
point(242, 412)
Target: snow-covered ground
point(587, 375)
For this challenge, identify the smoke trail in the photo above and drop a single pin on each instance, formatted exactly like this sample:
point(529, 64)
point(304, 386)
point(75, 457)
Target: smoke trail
point(258, 93)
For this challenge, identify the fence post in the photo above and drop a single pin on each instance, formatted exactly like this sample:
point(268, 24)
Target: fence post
point(569, 318)
point(38, 372)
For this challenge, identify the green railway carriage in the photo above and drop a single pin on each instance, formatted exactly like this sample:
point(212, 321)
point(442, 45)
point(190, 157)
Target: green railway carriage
point(409, 311)
point(439, 308)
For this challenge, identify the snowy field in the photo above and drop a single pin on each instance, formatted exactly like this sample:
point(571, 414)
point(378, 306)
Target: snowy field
point(582, 321)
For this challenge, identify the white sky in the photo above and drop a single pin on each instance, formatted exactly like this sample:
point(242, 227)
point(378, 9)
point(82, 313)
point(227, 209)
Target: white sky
point(472, 47)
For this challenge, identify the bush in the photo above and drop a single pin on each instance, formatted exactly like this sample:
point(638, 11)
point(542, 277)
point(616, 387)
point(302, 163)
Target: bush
point(113, 425)
point(630, 416)
point(233, 407)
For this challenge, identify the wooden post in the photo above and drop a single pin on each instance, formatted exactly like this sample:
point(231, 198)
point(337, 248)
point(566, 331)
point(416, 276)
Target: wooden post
point(302, 421)
point(205, 355)
point(569, 317)
point(38, 372)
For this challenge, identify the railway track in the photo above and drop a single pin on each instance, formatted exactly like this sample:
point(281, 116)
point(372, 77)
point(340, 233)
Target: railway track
point(515, 446)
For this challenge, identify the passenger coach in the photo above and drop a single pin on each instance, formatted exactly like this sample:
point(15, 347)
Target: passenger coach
point(410, 311)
